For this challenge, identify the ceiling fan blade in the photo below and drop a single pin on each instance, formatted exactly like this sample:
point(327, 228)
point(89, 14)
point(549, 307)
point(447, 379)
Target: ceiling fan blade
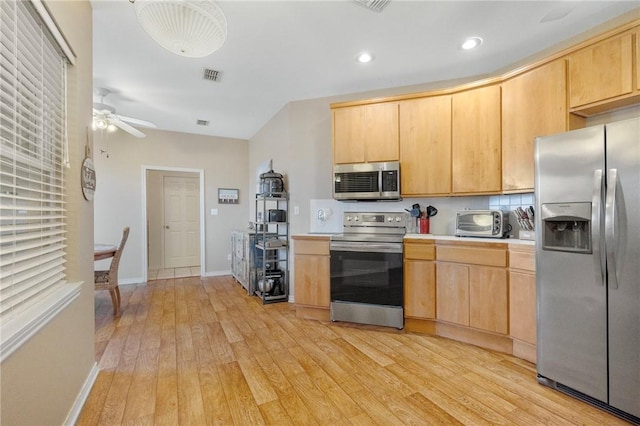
point(127, 128)
point(137, 121)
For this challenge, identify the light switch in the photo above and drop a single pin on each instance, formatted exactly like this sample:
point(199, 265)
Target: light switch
point(296, 210)
point(214, 212)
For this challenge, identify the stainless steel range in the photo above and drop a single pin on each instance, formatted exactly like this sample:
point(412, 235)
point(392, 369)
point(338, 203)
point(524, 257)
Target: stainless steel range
point(366, 269)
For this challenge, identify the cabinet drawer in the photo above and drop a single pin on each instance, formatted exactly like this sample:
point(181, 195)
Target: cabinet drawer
point(472, 255)
point(420, 251)
point(317, 247)
point(523, 260)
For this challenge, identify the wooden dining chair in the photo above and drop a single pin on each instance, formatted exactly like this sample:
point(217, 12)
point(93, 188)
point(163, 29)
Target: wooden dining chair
point(108, 280)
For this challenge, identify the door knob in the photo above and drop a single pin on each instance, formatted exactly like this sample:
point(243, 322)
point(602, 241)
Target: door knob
point(166, 227)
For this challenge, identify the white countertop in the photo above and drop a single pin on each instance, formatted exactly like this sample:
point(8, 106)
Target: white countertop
point(438, 237)
point(469, 239)
point(314, 234)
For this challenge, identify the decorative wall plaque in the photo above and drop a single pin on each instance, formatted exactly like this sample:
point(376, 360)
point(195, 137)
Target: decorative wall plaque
point(228, 196)
point(88, 176)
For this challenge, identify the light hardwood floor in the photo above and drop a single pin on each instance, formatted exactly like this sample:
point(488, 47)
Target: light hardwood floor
point(196, 351)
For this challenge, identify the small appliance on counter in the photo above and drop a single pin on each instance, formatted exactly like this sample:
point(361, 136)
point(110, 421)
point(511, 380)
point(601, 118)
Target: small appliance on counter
point(482, 223)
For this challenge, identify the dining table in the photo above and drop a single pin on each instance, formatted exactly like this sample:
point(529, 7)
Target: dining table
point(103, 251)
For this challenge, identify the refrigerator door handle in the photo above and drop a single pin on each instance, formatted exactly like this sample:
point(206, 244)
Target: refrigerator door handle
point(609, 227)
point(596, 215)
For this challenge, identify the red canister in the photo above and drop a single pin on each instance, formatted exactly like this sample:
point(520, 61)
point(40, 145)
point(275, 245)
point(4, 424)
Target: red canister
point(423, 225)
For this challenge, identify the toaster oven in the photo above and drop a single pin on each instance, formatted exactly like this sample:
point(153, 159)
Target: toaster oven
point(482, 223)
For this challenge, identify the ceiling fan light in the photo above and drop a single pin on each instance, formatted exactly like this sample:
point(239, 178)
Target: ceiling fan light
point(111, 128)
point(101, 123)
point(188, 28)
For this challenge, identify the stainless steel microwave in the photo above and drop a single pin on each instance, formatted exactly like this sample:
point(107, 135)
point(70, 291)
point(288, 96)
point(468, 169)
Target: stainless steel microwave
point(482, 223)
point(367, 181)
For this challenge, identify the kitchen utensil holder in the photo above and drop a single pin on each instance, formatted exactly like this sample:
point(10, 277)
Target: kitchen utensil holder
point(524, 234)
point(423, 225)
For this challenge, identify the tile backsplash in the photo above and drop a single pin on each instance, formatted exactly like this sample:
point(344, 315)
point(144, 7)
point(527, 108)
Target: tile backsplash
point(326, 214)
point(510, 203)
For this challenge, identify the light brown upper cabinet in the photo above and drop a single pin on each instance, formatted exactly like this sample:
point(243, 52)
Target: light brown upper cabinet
point(366, 133)
point(533, 104)
point(601, 71)
point(425, 146)
point(638, 60)
point(476, 141)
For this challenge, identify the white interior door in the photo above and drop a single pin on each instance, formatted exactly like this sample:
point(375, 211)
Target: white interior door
point(181, 221)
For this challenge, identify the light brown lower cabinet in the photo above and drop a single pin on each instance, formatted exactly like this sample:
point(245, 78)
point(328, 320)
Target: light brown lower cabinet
point(420, 291)
point(420, 285)
point(488, 299)
point(453, 293)
point(473, 296)
point(312, 276)
point(475, 292)
point(420, 279)
point(312, 286)
point(522, 301)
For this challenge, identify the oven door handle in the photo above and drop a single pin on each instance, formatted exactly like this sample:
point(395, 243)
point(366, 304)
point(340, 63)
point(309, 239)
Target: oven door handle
point(367, 247)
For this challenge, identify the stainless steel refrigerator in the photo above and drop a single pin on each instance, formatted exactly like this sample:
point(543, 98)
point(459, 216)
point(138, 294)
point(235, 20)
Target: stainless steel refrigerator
point(588, 264)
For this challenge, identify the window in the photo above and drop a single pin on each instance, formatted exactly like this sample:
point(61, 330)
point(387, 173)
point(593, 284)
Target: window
point(32, 160)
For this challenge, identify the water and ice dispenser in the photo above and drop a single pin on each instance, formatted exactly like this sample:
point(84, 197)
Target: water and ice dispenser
point(566, 227)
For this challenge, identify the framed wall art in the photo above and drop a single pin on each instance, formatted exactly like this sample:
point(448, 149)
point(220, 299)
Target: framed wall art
point(228, 196)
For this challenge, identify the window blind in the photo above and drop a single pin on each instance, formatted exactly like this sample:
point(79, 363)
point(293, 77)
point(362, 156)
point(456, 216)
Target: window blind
point(32, 131)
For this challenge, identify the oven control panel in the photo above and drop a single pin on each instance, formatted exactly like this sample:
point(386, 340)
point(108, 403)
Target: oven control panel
point(377, 219)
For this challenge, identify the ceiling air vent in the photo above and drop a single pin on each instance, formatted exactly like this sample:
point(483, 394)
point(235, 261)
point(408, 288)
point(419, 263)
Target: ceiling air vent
point(202, 122)
point(210, 74)
point(375, 5)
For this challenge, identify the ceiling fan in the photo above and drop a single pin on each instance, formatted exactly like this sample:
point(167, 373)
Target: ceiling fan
point(105, 118)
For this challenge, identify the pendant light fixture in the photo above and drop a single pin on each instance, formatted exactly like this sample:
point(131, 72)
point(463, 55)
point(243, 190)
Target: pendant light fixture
point(191, 28)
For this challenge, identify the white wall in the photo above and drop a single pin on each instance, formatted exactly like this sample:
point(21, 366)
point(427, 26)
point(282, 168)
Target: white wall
point(119, 199)
point(298, 139)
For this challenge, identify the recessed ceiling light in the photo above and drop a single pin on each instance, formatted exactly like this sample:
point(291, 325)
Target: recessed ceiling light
point(364, 57)
point(471, 43)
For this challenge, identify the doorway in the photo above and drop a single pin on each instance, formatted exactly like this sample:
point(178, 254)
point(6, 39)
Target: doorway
point(173, 222)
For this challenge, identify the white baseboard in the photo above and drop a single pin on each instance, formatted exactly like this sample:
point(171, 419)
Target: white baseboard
point(76, 409)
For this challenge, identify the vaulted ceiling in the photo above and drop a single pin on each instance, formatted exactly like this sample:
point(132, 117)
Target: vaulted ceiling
point(282, 51)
